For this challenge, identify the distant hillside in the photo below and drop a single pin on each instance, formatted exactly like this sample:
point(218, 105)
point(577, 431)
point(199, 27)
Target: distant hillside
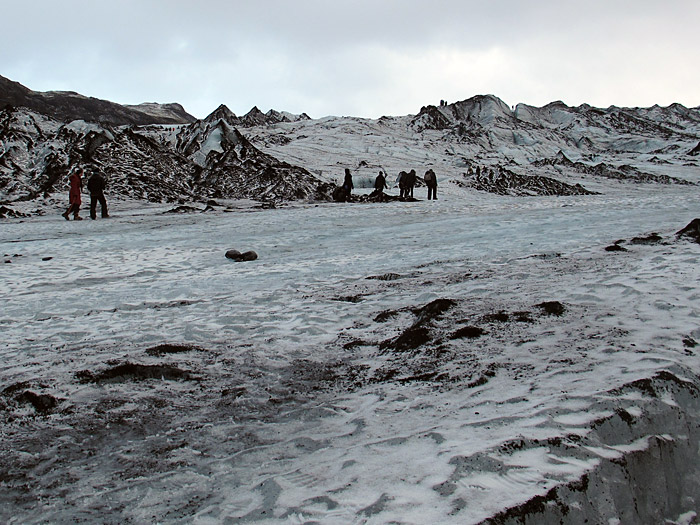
point(67, 106)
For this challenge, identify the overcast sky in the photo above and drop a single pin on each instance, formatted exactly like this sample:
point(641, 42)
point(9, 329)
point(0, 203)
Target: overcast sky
point(363, 58)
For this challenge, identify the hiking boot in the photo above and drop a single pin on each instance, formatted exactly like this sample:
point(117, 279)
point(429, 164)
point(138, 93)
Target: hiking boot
point(65, 216)
point(77, 218)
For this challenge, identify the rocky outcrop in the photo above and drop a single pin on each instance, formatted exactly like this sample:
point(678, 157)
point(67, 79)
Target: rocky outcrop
point(430, 117)
point(505, 182)
point(691, 231)
point(624, 172)
point(231, 167)
point(207, 159)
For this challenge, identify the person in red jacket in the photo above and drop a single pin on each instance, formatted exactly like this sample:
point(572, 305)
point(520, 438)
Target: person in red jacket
point(76, 186)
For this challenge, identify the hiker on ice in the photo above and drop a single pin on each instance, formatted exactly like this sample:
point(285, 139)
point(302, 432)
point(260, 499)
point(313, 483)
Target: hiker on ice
point(401, 181)
point(431, 182)
point(380, 184)
point(74, 200)
point(410, 182)
point(347, 183)
point(96, 186)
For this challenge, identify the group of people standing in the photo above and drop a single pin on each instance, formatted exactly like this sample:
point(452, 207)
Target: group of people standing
point(406, 181)
point(95, 185)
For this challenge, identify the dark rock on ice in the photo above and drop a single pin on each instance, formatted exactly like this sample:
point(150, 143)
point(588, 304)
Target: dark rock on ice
point(434, 310)
point(419, 333)
point(616, 247)
point(349, 298)
point(14, 388)
point(482, 379)
point(552, 308)
point(385, 277)
point(183, 209)
point(133, 372)
point(691, 232)
point(468, 332)
point(411, 338)
point(237, 256)
point(9, 213)
point(355, 343)
point(164, 349)
point(523, 317)
point(498, 317)
point(233, 392)
point(42, 403)
point(383, 317)
point(652, 238)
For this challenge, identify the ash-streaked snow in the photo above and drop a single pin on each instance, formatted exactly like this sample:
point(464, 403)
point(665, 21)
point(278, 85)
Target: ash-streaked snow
point(292, 404)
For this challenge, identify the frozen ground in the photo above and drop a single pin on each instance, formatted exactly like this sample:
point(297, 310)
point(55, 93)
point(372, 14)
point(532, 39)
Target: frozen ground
point(377, 363)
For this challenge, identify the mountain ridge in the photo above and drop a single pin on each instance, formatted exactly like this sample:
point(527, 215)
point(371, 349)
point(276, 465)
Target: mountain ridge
point(69, 105)
point(283, 156)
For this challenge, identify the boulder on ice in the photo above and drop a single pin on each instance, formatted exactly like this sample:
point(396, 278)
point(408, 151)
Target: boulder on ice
point(240, 257)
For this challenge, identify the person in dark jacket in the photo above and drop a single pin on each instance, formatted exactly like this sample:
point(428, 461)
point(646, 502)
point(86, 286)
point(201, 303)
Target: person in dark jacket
point(347, 183)
point(380, 183)
point(96, 186)
point(74, 199)
point(410, 183)
point(401, 181)
point(431, 182)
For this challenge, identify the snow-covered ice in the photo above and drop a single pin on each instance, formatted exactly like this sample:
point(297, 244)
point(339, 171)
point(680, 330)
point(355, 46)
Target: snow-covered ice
point(291, 401)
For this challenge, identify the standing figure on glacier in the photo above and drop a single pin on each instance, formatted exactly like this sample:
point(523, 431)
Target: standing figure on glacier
point(347, 183)
point(431, 182)
point(380, 184)
point(401, 181)
point(96, 186)
point(74, 200)
point(410, 183)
